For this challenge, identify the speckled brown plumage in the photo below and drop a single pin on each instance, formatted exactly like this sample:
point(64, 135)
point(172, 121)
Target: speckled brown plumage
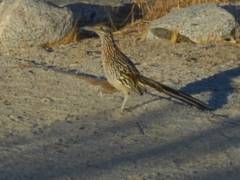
point(124, 76)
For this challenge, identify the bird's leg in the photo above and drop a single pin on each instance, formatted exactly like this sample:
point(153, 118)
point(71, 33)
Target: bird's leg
point(126, 95)
point(100, 93)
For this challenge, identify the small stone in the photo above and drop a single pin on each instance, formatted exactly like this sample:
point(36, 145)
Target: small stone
point(13, 117)
point(46, 100)
point(6, 102)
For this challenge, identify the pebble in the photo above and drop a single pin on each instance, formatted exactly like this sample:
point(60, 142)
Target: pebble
point(46, 100)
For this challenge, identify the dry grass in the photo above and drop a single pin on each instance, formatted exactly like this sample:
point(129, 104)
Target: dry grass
point(153, 9)
point(72, 36)
point(149, 10)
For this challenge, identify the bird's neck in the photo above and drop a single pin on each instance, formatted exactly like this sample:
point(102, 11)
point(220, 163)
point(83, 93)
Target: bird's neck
point(108, 46)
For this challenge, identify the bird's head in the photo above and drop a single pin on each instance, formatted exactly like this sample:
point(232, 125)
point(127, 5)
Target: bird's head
point(101, 30)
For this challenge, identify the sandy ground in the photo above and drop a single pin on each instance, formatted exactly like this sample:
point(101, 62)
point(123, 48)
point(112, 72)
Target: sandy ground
point(56, 125)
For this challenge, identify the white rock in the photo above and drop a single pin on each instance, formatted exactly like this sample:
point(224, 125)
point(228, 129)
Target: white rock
point(198, 23)
point(25, 23)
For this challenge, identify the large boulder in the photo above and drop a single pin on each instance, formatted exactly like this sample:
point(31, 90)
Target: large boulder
point(198, 23)
point(26, 23)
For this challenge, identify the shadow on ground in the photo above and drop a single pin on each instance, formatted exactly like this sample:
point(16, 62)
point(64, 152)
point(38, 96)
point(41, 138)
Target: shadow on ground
point(170, 142)
point(220, 86)
point(105, 153)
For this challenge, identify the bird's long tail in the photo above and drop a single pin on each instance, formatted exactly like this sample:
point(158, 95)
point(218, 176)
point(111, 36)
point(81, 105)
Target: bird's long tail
point(174, 93)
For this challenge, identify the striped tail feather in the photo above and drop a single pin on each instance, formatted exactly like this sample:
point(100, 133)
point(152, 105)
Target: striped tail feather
point(177, 94)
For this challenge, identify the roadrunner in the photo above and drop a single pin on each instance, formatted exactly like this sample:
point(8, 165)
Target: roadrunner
point(122, 74)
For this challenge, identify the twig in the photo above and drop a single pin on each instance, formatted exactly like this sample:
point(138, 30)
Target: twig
point(140, 128)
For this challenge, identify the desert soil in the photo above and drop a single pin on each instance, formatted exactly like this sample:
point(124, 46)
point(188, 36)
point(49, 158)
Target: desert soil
point(57, 125)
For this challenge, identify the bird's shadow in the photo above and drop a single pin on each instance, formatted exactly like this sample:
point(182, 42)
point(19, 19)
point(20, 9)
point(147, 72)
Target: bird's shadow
point(219, 85)
point(156, 97)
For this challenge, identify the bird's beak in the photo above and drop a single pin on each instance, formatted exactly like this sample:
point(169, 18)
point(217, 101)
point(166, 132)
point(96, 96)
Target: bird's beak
point(88, 28)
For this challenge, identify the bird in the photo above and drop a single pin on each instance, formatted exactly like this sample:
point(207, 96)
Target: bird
point(123, 75)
